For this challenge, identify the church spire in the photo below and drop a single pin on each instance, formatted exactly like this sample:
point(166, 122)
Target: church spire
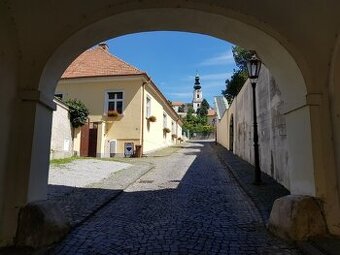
point(197, 82)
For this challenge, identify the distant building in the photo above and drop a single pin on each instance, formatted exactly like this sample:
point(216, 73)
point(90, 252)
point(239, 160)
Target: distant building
point(197, 94)
point(181, 108)
point(211, 117)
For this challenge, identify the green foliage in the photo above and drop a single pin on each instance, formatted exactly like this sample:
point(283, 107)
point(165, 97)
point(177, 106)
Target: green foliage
point(240, 75)
point(78, 112)
point(203, 110)
point(241, 57)
point(197, 123)
point(234, 85)
point(181, 108)
point(62, 161)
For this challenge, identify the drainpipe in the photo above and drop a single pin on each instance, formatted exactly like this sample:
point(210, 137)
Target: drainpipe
point(177, 130)
point(142, 138)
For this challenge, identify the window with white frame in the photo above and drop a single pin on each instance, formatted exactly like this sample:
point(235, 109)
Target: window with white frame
point(164, 120)
point(148, 107)
point(115, 101)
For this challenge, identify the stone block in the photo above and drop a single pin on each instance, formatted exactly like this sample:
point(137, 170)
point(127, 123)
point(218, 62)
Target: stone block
point(296, 217)
point(41, 223)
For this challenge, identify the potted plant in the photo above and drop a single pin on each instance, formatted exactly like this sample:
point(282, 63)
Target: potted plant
point(112, 113)
point(166, 130)
point(152, 118)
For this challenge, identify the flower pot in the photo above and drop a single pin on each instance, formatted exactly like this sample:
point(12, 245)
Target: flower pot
point(166, 130)
point(152, 119)
point(112, 114)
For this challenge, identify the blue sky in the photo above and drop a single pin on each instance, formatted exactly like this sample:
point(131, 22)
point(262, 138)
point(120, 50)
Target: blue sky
point(172, 59)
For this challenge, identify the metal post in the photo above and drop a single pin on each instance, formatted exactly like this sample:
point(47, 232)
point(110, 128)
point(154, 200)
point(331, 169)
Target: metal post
point(257, 176)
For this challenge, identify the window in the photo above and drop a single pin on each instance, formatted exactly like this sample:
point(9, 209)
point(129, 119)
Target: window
point(115, 101)
point(198, 105)
point(148, 107)
point(59, 96)
point(198, 95)
point(164, 120)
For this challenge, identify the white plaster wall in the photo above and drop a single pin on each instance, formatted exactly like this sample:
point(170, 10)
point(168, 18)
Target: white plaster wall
point(154, 137)
point(273, 144)
point(222, 130)
point(61, 137)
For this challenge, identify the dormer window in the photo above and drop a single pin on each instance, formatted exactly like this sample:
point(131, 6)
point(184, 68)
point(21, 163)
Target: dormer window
point(115, 101)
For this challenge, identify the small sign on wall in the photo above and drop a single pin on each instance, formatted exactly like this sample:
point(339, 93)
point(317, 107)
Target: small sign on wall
point(128, 149)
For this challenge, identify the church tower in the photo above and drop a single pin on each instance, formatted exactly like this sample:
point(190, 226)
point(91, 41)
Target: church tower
point(197, 95)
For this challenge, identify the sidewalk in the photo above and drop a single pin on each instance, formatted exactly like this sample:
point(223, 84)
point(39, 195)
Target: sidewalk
point(79, 203)
point(265, 195)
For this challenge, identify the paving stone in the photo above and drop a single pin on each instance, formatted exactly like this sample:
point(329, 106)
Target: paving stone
point(207, 212)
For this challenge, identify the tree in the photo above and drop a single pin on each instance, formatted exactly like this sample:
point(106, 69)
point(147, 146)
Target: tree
point(240, 75)
point(234, 85)
point(78, 112)
point(197, 123)
point(181, 108)
point(241, 57)
point(203, 110)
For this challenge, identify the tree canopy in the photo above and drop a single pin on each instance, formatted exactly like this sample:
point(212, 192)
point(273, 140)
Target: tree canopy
point(203, 110)
point(240, 75)
point(78, 112)
point(197, 123)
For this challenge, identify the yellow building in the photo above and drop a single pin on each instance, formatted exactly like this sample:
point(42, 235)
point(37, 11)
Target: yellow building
point(126, 108)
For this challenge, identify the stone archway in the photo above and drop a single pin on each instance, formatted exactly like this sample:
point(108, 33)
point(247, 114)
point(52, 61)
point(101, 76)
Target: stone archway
point(41, 65)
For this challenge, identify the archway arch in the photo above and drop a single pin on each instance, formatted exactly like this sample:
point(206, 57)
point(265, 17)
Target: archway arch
point(284, 61)
point(280, 61)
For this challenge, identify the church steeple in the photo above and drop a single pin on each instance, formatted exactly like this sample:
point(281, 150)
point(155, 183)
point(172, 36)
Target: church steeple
point(197, 82)
point(197, 94)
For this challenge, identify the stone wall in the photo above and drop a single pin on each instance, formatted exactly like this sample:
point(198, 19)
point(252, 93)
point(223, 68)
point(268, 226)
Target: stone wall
point(273, 144)
point(61, 138)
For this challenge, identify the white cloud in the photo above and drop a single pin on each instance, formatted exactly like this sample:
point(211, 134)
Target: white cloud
point(222, 59)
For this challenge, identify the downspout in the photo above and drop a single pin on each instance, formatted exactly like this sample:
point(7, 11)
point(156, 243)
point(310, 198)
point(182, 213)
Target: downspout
point(142, 137)
point(177, 130)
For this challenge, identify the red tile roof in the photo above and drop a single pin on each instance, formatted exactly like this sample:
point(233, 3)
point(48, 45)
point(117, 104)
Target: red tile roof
point(177, 103)
point(96, 62)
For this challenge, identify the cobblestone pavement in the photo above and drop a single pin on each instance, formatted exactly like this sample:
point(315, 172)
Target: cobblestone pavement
point(188, 204)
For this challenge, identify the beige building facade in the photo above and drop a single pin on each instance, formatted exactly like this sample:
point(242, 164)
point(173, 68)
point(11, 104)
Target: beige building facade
point(39, 41)
point(120, 101)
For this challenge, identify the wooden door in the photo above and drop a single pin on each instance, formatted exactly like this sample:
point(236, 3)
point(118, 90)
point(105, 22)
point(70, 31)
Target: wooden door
point(93, 140)
point(84, 140)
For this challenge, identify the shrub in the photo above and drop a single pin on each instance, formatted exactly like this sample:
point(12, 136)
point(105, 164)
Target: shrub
point(78, 112)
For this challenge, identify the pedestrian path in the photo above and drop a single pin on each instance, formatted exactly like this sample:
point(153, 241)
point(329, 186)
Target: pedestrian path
point(82, 172)
point(93, 190)
point(265, 195)
point(188, 204)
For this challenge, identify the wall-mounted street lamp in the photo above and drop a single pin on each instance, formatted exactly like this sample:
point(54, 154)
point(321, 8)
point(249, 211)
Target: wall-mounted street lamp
point(254, 67)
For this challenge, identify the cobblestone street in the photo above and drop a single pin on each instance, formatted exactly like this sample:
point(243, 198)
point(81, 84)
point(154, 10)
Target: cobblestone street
point(188, 204)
